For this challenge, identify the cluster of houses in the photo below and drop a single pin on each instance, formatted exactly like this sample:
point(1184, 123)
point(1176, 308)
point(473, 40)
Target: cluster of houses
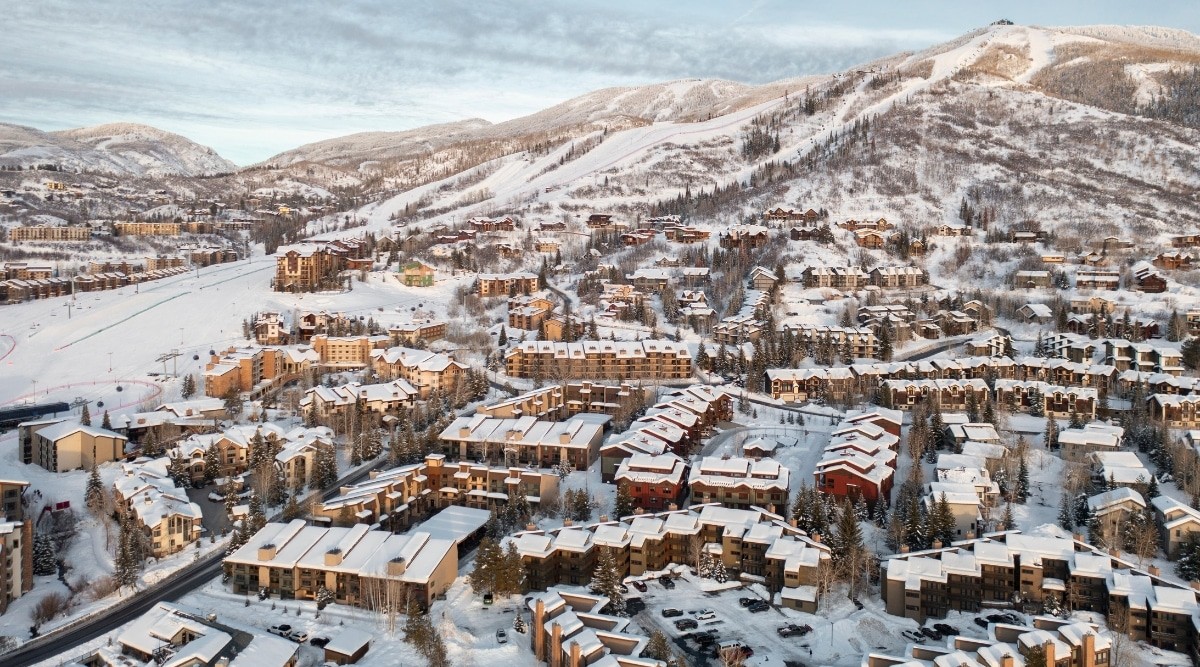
point(600, 360)
point(540, 314)
point(272, 328)
point(860, 459)
point(1069, 643)
point(148, 495)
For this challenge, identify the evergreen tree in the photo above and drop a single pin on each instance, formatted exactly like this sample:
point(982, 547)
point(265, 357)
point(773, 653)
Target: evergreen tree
point(1152, 488)
point(177, 468)
point(944, 530)
point(1037, 407)
point(623, 504)
point(502, 339)
point(44, 556)
point(488, 561)
point(1188, 565)
point(150, 445)
point(1066, 518)
point(356, 454)
point(1083, 511)
point(93, 497)
point(1050, 438)
point(85, 417)
point(256, 518)
point(128, 563)
point(1076, 419)
point(324, 597)
point(189, 387)
point(1008, 521)
point(914, 527)
point(105, 422)
point(606, 581)
point(292, 509)
point(1022, 481)
point(659, 647)
point(212, 464)
point(324, 472)
point(719, 574)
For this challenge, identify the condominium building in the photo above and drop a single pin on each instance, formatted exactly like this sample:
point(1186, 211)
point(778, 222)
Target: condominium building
point(740, 483)
point(361, 567)
point(574, 442)
point(569, 630)
point(426, 371)
point(49, 233)
point(752, 544)
point(1003, 567)
point(655, 483)
point(147, 228)
point(62, 445)
point(562, 401)
point(508, 284)
point(148, 495)
point(325, 403)
point(1063, 643)
point(402, 496)
point(600, 360)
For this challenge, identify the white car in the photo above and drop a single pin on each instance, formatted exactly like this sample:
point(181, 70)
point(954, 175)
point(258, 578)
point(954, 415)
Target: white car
point(298, 636)
point(706, 615)
point(913, 636)
point(501, 636)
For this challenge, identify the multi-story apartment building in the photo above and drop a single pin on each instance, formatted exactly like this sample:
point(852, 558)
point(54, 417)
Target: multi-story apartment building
point(746, 237)
point(1056, 400)
point(656, 483)
point(147, 228)
point(426, 371)
point(402, 496)
point(411, 332)
point(64, 444)
point(574, 442)
point(562, 401)
point(569, 630)
point(308, 267)
point(49, 233)
point(362, 567)
point(1063, 643)
point(740, 483)
point(147, 494)
point(845, 278)
point(256, 370)
point(949, 394)
point(893, 277)
point(600, 360)
point(752, 542)
point(1177, 523)
point(1011, 566)
point(16, 542)
point(346, 352)
point(529, 312)
point(324, 403)
point(507, 284)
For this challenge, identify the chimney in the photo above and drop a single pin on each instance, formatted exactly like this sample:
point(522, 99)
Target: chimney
point(970, 534)
point(937, 544)
point(1078, 537)
point(672, 507)
point(1115, 553)
point(1195, 585)
point(266, 552)
point(531, 526)
point(567, 523)
point(1050, 657)
point(555, 645)
point(904, 548)
point(1089, 650)
point(1006, 660)
point(603, 518)
point(333, 557)
point(639, 510)
point(576, 655)
point(396, 566)
point(816, 537)
point(1154, 571)
point(539, 630)
point(464, 432)
point(793, 523)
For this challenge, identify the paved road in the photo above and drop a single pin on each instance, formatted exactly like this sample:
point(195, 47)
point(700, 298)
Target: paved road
point(63, 641)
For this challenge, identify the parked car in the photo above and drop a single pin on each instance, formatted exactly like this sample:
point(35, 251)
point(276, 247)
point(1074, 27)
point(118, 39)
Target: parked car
point(666, 581)
point(671, 612)
point(913, 635)
point(635, 605)
point(931, 633)
point(706, 615)
point(488, 599)
point(980, 622)
point(793, 630)
point(640, 585)
point(298, 636)
point(282, 629)
point(501, 636)
point(945, 629)
point(746, 602)
point(705, 640)
point(319, 642)
point(758, 606)
point(686, 624)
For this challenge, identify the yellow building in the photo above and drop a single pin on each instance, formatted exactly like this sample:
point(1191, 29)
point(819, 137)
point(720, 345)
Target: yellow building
point(69, 445)
point(147, 228)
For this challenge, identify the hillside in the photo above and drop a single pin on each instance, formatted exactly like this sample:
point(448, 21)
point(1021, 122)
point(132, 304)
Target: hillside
point(117, 148)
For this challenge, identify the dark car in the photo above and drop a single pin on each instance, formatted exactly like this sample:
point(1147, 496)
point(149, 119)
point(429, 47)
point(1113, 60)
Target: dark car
point(931, 633)
point(706, 640)
point(319, 642)
point(666, 582)
point(758, 606)
point(640, 585)
point(671, 612)
point(686, 624)
point(980, 622)
point(793, 630)
point(746, 602)
point(635, 605)
point(945, 629)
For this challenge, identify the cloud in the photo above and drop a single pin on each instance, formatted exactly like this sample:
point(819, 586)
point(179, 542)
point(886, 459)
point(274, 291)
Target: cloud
point(254, 78)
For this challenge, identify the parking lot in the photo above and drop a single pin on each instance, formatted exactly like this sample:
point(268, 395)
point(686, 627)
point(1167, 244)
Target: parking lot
point(732, 621)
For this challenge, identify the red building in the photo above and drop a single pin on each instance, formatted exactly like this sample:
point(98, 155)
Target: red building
point(848, 475)
point(888, 420)
point(655, 482)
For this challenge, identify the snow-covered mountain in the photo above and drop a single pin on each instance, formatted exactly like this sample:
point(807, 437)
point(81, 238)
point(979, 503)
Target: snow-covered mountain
point(116, 148)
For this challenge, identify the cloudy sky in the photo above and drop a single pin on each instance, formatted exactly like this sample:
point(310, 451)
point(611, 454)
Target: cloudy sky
point(252, 78)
